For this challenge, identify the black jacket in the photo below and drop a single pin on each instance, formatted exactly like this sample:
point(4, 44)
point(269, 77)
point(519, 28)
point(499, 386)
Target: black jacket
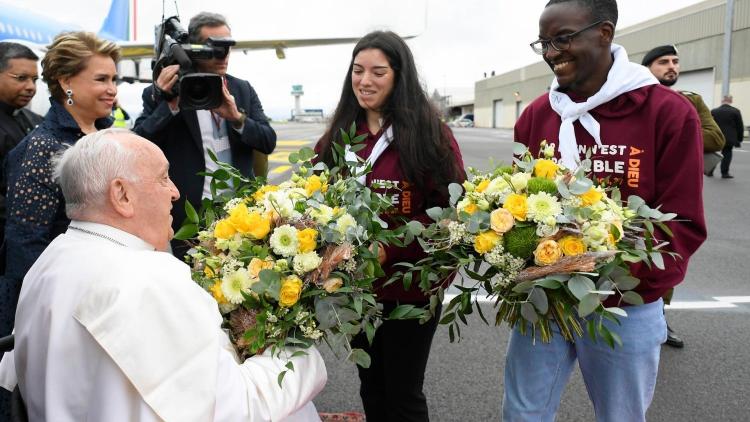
point(179, 138)
point(730, 122)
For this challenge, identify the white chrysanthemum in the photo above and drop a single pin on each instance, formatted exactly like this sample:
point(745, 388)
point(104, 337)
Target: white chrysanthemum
point(306, 262)
point(297, 193)
point(284, 240)
point(234, 284)
point(322, 214)
point(541, 206)
point(520, 181)
point(344, 222)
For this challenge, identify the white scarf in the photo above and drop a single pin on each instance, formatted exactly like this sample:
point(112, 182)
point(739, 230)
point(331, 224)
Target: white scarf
point(385, 139)
point(623, 77)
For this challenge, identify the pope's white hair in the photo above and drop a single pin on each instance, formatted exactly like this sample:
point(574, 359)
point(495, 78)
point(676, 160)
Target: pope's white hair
point(85, 169)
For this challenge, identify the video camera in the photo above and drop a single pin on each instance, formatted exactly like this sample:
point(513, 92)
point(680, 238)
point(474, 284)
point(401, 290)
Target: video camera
point(197, 91)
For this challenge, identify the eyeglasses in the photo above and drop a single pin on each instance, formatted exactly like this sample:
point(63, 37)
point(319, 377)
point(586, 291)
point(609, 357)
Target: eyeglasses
point(23, 78)
point(559, 43)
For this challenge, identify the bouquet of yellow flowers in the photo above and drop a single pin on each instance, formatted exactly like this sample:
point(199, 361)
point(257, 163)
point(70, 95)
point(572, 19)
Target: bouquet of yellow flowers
point(293, 263)
point(547, 245)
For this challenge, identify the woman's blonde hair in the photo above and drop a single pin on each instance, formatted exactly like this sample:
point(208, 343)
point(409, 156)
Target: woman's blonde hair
point(68, 55)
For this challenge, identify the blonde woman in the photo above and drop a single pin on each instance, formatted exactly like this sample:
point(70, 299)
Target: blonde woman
point(80, 71)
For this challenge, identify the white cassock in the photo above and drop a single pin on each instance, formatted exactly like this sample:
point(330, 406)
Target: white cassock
point(107, 329)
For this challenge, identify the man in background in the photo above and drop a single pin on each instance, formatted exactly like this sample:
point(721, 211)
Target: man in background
point(730, 122)
point(664, 64)
point(18, 76)
point(233, 131)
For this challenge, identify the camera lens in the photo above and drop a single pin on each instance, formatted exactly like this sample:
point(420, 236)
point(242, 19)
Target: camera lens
point(200, 91)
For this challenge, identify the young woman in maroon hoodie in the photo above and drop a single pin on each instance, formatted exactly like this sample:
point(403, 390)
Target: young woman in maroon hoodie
point(414, 155)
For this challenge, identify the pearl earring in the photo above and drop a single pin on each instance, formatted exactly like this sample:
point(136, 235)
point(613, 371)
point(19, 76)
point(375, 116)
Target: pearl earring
point(69, 93)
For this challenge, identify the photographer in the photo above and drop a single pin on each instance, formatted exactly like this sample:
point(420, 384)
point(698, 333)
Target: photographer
point(233, 130)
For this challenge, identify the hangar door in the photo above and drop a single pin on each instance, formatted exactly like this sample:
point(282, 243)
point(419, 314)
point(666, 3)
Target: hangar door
point(699, 81)
point(497, 113)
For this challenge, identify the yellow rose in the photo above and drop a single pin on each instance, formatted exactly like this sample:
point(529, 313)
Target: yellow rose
point(240, 218)
point(224, 229)
point(217, 293)
point(501, 220)
point(260, 193)
point(572, 246)
point(312, 184)
point(547, 253)
point(260, 225)
point(291, 289)
point(482, 186)
point(257, 265)
point(591, 197)
point(333, 284)
point(306, 239)
point(485, 241)
point(516, 204)
point(545, 168)
point(470, 208)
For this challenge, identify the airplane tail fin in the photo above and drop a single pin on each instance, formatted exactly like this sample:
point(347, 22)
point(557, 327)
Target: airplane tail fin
point(116, 26)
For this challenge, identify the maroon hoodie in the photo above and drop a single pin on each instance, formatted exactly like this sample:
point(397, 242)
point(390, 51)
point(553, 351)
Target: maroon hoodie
point(652, 147)
point(408, 202)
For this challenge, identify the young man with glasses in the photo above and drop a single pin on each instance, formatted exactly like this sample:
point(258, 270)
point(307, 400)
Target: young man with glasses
point(641, 137)
point(233, 131)
point(18, 76)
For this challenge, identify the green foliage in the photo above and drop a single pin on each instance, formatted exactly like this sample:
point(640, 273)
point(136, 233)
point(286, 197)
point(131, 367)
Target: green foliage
point(541, 184)
point(521, 241)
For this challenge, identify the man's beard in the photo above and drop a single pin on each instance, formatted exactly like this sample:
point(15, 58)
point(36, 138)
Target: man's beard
point(668, 82)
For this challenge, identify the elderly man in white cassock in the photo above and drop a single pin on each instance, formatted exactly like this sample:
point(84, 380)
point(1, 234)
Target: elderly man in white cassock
point(111, 328)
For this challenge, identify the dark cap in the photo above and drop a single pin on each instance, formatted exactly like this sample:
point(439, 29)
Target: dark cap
point(655, 53)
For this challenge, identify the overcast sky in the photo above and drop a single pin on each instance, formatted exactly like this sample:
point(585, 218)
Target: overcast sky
point(455, 43)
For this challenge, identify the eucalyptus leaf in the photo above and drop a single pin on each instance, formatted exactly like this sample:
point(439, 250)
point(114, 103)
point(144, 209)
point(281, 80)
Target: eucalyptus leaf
point(539, 299)
point(632, 298)
point(528, 313)
point(580, 186)
point(580, 286)
point(626, 282)
point(588, 304)
point(455, 191)
point(617, 311)
point(657, 259)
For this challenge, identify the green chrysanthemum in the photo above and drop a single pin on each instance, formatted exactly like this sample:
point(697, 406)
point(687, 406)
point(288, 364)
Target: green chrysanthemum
point(520, 241)
point(541, 184)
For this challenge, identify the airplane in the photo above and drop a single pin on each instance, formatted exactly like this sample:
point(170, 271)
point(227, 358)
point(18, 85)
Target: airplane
point(36, 30)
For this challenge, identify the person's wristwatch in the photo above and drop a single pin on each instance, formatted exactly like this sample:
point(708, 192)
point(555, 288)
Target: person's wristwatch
point(241, 121)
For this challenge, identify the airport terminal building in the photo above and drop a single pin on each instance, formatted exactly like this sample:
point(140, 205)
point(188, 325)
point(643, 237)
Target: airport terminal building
point(697, 32)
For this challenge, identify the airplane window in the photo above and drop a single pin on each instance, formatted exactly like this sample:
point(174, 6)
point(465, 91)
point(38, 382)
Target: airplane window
point(26, 33)
point(2, 27)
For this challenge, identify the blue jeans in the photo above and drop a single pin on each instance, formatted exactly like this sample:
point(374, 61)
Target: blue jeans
point(620, 382)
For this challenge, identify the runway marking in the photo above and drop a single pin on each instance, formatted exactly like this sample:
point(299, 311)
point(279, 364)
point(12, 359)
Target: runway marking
point(280, 156)
point(719, 302)
point(280, 169)
point(292, 143)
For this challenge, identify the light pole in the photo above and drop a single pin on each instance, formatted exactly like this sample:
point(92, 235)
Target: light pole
point(726, 61)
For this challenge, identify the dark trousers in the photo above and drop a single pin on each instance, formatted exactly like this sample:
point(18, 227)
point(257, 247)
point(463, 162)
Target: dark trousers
point(727, 160)
point(391, 388)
